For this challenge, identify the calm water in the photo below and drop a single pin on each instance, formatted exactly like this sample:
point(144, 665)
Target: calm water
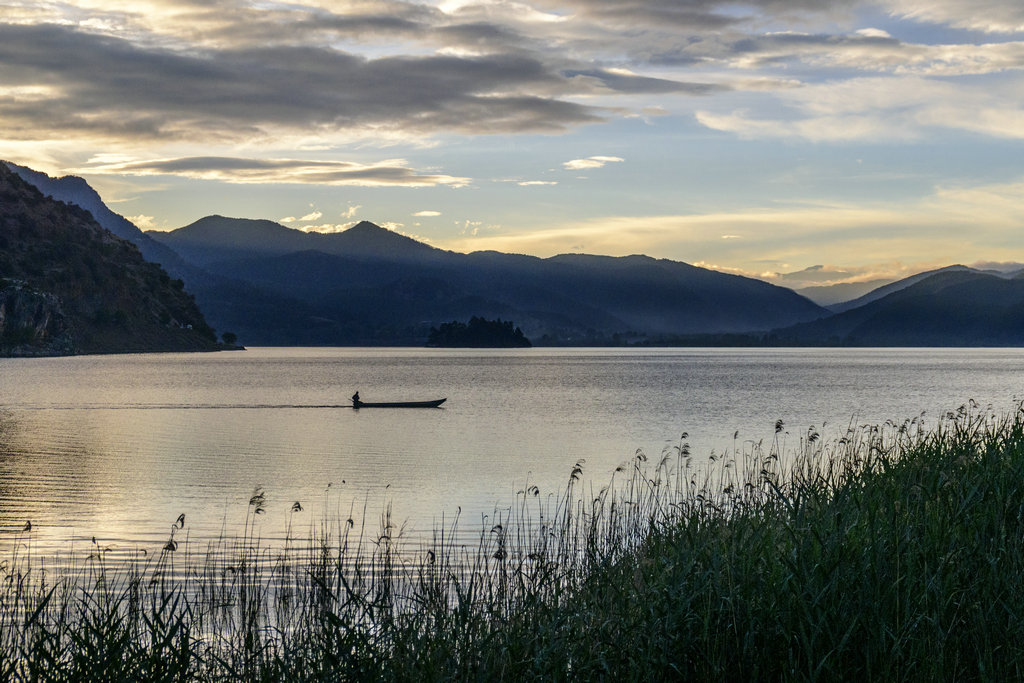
point(117, 447)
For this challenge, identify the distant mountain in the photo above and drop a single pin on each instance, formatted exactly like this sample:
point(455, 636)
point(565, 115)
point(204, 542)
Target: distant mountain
point(1007, 268)
point(369, 285)
point(831, 295)
point(951, 307)
point(75, 190)
point(885, 290)
point(216, 238)
point(67, 285)
point(660, 296)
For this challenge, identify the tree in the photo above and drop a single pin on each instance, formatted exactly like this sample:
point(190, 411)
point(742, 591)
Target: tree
point(478, 333)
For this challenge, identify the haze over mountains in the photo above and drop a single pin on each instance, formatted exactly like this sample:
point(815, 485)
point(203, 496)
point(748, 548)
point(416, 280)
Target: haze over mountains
point(369, 285)
point(832, 295)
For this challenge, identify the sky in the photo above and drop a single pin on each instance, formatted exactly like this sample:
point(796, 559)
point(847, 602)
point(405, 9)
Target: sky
point(801, 141)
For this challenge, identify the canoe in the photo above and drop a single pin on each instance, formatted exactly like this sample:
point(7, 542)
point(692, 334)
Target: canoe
point(402, 404)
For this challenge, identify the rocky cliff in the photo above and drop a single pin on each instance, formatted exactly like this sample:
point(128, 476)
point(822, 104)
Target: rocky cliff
point(32, 323)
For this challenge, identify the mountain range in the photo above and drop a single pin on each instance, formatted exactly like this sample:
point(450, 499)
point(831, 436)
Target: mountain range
point(955, 306)
point(273, 285)
point(370, 285)
point(889, 288)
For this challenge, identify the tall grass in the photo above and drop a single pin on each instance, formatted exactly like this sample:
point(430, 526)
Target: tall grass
point(892, 553)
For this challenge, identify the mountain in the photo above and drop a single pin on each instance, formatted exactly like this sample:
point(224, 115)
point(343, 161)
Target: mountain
point(661, 296)
point(216, 238)
point(951, 307)
point(67, 285)
point(75, 190)
point(885, 290)
point(831, 295)
point(370, 285)
point(230, 305)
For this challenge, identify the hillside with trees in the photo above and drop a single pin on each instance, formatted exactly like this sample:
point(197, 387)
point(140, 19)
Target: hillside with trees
point(478, 333)
point(67, 285)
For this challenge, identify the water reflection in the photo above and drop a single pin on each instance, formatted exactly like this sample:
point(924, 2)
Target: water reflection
point(117, 447)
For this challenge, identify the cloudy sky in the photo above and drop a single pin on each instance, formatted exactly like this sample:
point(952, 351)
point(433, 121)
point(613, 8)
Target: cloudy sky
point(762, 137)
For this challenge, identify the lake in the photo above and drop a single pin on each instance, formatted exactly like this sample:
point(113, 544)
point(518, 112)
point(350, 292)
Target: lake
point(117, 447)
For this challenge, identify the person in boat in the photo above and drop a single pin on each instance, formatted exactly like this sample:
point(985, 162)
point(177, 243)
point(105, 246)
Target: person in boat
point(356, 400)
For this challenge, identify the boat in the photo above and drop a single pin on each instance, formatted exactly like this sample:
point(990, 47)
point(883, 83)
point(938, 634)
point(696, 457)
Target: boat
point(400, 404)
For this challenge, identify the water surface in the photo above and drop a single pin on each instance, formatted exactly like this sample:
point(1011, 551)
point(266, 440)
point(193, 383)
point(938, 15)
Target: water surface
point(117, 447)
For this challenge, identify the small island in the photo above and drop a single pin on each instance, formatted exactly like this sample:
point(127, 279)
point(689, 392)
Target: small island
point(478, 333)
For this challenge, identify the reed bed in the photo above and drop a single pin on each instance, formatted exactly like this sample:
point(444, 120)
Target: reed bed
point(891, 553)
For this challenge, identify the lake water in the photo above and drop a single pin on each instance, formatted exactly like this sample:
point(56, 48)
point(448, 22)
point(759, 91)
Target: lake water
point(117, 447)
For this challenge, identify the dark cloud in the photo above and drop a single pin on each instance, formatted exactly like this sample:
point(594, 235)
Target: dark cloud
point(681, 33)
point(277, 171)
point(629, 83)
point(675, 14)
point(384, 21)
point(767, 49)
point(695, 15)
point(110, 83)
point(263, 28)
point(784, 42)
point(296, 23)
point(227, 71)
point(481, 35)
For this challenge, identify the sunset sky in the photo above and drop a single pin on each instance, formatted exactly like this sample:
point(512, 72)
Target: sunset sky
point(871, 138)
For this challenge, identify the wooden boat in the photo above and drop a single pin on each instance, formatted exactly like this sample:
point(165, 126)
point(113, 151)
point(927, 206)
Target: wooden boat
point(401, 404)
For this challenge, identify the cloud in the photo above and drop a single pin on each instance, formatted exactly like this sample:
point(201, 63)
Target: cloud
point(877, 274)
point(201, 90)
point(590, 162)
point(925, 230)
point(312, 216)
point(470, 228)
point(1001, 266)
point(142, 222)
point(992, 16)
point(426, 214)
point(221, 83)
point(603, 81)
point(390, 173)
point(862, 51)
point(351, 211)
point(107, 86)
point(825, 275)
point(882, 108)
point(674, 14)
point(328, 227)
point(231, 73)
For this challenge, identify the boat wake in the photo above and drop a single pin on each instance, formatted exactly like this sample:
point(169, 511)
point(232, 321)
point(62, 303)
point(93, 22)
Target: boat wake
point(185, 406)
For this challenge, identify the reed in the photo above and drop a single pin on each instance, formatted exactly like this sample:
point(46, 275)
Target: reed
point(893, 552)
